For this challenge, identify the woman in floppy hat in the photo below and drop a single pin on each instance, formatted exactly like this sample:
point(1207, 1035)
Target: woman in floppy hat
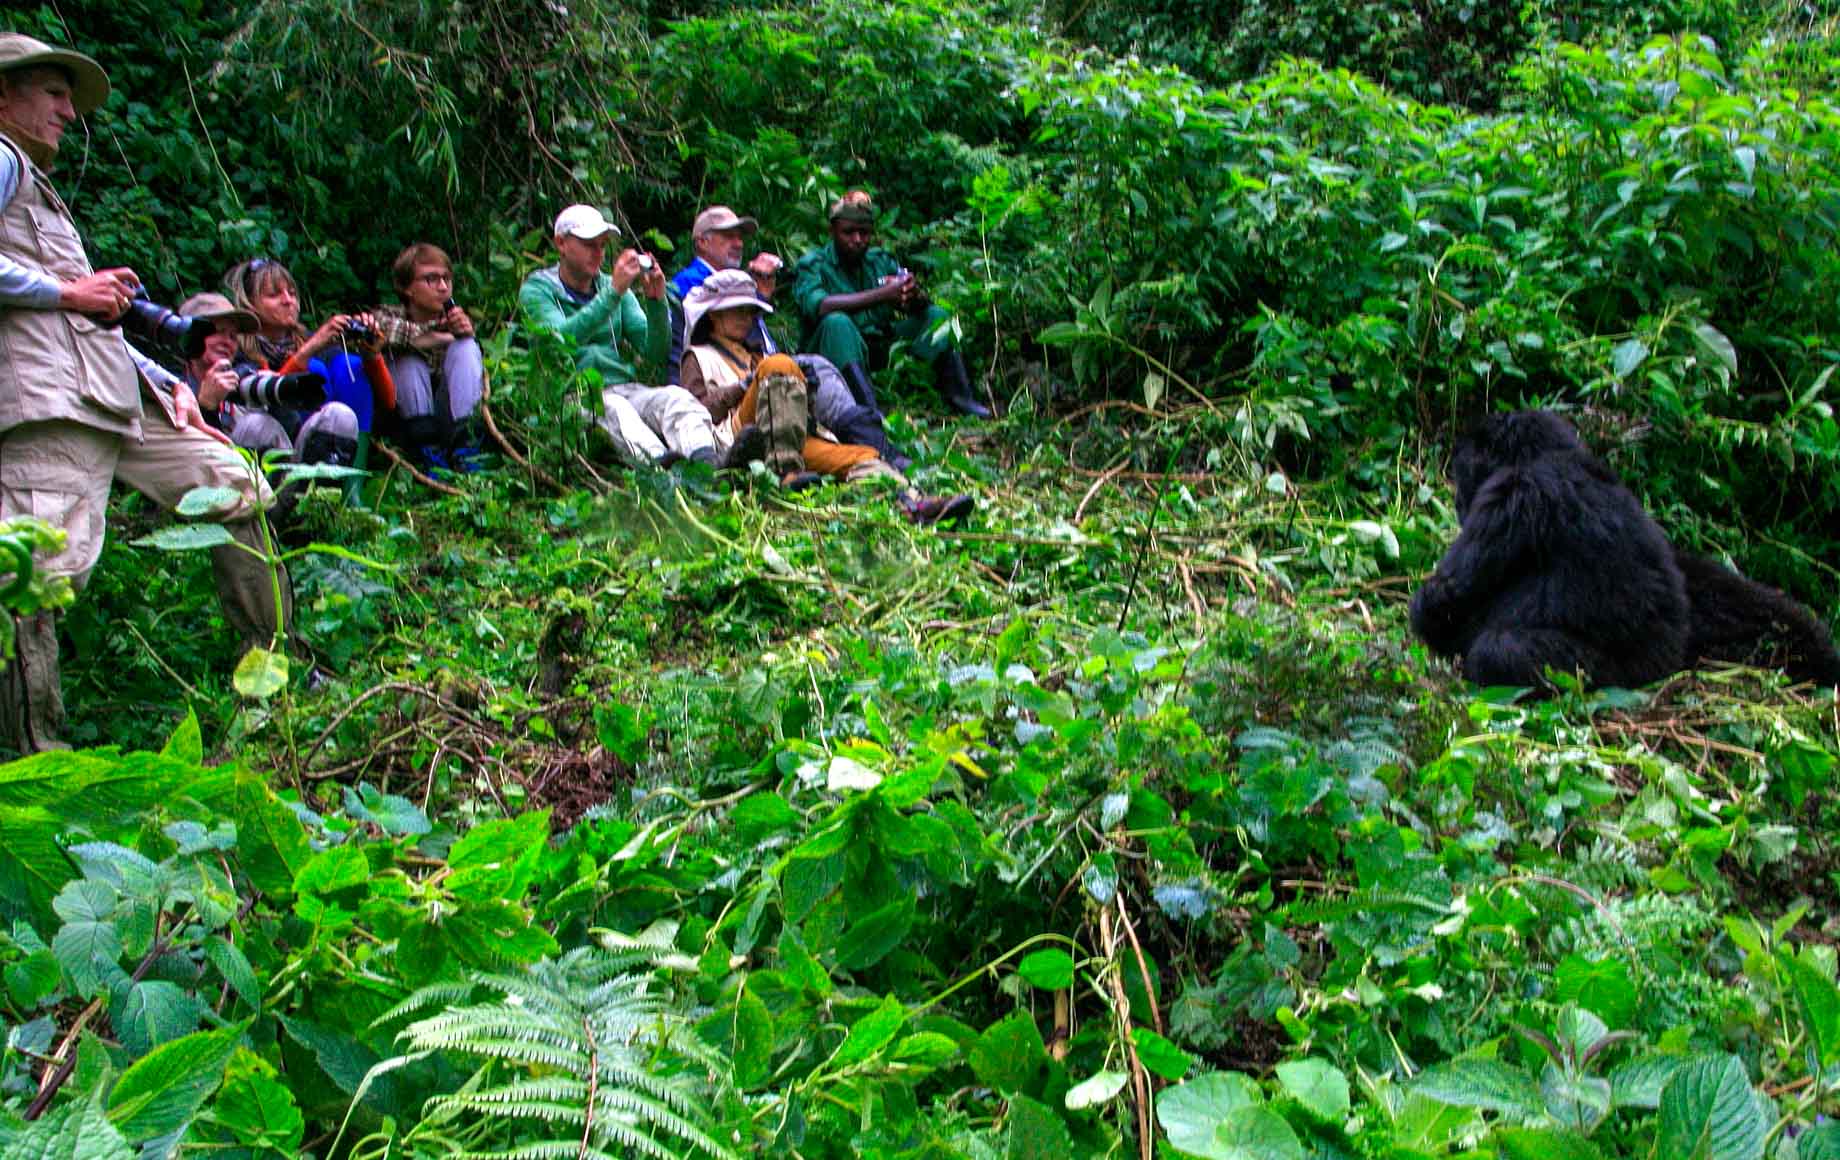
point(741, 388)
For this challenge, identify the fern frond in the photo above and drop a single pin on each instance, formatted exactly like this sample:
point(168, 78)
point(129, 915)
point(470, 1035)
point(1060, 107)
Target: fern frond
point(618, 1070)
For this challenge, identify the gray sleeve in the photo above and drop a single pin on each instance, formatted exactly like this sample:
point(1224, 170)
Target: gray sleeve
point(18, 285)
point(152, 371)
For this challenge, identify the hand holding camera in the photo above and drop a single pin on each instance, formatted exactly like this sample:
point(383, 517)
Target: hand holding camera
point(103, 295)
point(268, 391)
point(455, 320)
point(219, 383)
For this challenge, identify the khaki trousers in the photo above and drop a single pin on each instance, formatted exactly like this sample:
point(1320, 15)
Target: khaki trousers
point(61, 473)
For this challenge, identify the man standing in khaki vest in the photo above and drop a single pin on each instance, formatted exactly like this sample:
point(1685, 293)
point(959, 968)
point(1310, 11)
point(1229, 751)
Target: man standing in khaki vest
point(71, 388)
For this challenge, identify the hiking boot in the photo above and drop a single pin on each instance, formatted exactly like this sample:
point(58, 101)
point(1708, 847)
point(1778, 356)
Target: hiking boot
point(937, 509)
point(750, 444)
point(954, 383)
point(707, 456)
point(800, 480)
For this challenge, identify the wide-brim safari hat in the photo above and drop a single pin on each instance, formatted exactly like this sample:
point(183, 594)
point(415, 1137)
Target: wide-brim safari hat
point(722, 290)
point(88, 83)
point(220, 312)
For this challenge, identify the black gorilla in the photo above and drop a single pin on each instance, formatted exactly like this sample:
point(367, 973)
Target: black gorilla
point(1558, 566)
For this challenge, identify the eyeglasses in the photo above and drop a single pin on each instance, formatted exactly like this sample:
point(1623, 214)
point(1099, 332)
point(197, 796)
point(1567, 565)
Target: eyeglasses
point(436, 279)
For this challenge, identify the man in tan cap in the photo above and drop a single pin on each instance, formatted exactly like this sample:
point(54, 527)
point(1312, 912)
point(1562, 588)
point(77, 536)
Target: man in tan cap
point(71, 391)
point(856, 299)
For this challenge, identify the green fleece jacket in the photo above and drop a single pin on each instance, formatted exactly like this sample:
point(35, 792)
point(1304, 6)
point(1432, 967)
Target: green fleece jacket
point(605, 326)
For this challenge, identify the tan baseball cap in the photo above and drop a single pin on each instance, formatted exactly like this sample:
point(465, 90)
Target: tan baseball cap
point(89, 84)
point(584, 222)
point(216, 309)
point(720, 217)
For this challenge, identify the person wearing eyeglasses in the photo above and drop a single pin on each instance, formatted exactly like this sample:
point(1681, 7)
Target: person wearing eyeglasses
point(434, 358)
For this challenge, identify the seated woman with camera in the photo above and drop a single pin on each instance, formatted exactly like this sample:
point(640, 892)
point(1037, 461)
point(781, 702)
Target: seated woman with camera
point(742, 389)
point(343, 352)
point(242, 400)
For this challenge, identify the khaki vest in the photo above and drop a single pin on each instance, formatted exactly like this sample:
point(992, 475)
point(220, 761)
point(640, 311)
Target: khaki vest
point(717, 370)
point(55, 364)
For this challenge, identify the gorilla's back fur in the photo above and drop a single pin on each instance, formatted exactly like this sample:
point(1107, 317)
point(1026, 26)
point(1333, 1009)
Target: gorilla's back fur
point(1557, 565)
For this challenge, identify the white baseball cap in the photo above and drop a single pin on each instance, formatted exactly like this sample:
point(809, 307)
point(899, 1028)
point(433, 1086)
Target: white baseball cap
point(584, 222)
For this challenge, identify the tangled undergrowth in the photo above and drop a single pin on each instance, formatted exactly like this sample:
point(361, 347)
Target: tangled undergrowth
point(1128, 811)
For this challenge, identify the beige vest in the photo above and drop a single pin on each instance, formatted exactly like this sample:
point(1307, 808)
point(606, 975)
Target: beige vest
point(55, 364)
point(717, 370)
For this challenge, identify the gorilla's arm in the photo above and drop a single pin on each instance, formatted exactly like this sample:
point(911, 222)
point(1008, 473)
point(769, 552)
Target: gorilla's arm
point(1496, 544)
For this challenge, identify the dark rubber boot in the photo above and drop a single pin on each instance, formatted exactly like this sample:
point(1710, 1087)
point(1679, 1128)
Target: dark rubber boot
point(426, 441)
point(938, 509)
point(862, 389)
point(750, 444)
point(954, 383)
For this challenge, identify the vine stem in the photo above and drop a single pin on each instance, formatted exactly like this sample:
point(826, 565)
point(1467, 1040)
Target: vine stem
point(1121, 1013)
point(594, 1083)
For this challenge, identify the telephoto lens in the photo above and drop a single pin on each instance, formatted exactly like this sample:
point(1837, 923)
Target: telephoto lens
point(268, 391)
point(164, 327)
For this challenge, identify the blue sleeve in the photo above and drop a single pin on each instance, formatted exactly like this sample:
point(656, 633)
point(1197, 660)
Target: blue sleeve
point(18, 285)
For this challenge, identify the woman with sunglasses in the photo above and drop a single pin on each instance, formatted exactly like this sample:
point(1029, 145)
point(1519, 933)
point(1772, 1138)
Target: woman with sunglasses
point(344, 351)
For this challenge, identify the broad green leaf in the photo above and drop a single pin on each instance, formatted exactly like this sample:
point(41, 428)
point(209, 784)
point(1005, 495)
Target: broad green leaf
point(166, 1087)
point(32, 979)
point(1640, 1082)
point(871, 937)
point(1317, 1085)
point(1819, 1003)
point(1709, 1112)
point(1009, 1055)
point(1820, 1142)
point(186, 538)
point(1101, 1087)
point(1627, 356)
point(77, 1131)
point(257, 1108)
point(927, 1049)
point(1159, 1055)
point(1480, 1083)
point(1035, 1132)
point(871, 1033)
point(1254, 1134)
point(1190, 1113)
point(187, 742)
point(209, 501)
point(1051, 970)
point(234, 967)
point(33, 867)
point(271, 842)
point(497, 859)
point(90, 954)
point(1602, 987)
point(752, 1039)
point(151, 1012)
point(391, 813)
point(260, 674)
point(1712, 340)
point(1544, 1144)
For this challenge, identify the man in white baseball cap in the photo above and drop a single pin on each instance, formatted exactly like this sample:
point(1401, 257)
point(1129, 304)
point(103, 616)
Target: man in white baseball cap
point(71, 392)
point(625, 337)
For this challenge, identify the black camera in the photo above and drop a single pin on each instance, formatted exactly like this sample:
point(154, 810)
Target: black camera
point(165, 327)
point(360, 332)
point(268, 391)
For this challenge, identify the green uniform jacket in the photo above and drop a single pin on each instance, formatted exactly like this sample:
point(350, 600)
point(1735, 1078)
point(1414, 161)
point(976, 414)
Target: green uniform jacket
point(819, 275)
point(600, 325)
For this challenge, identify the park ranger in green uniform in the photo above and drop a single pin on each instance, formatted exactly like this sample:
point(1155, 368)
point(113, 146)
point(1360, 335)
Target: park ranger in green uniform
point(856, 300)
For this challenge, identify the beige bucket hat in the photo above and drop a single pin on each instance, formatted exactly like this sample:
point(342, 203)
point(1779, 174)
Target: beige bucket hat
point(89, 84)
point(220, 312)
point(722, 290)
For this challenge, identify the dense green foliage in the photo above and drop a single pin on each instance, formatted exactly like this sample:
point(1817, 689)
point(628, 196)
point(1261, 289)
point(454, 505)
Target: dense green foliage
point(643, 814)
